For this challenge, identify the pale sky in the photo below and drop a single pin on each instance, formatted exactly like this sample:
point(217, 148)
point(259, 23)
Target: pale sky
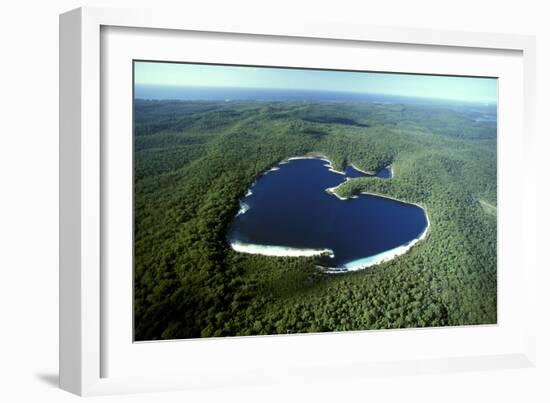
point(423, 86)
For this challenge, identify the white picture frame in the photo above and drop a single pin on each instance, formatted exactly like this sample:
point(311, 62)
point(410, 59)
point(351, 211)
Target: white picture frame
point(82, 299)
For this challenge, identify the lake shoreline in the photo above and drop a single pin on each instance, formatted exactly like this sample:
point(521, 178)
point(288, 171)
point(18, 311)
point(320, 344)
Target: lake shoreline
point(356, 265)
point(369, 173)
point(383, 257)
point(315, 156)
point(278, 251)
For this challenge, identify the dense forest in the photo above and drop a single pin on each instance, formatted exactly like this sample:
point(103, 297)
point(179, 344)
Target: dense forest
point(193, 160)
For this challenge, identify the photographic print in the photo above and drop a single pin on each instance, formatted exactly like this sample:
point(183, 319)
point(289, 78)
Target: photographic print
point(279, 200)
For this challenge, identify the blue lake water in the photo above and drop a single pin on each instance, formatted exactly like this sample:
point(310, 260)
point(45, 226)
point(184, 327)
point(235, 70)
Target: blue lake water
point(288, 211)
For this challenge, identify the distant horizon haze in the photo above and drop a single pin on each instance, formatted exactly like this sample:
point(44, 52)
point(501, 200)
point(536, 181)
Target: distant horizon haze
point(232, 93)
point(193, 75)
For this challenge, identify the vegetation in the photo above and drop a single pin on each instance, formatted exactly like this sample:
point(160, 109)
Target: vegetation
point(194, 160)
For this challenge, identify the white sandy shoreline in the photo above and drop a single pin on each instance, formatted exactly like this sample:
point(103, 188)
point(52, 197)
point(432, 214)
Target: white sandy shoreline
point(243, 208)
point(272, 169)
point(370, 173)
point(382, 257)
point(373, 173)
point(273, 250)
point(315, 157)
point(332, 192)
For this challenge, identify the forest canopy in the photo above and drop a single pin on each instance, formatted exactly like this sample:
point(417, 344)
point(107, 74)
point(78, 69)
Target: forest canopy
point(194, 160)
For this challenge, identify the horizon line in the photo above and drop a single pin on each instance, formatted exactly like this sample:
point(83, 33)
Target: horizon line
point(490, 101)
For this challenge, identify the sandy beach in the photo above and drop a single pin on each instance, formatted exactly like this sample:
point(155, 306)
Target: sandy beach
point(316, 157)
point(386, 255)
point(273, 169)
point(272, 250)
point(332, 192)
point(370, 173)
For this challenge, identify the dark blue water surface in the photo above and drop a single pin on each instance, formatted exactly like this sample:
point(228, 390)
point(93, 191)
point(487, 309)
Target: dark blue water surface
point(290, 207)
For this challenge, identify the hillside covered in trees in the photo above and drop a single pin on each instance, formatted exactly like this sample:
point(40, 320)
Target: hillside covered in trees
point(193, 160)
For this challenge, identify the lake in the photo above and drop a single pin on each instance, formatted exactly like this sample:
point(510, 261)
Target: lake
point(289, 212)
